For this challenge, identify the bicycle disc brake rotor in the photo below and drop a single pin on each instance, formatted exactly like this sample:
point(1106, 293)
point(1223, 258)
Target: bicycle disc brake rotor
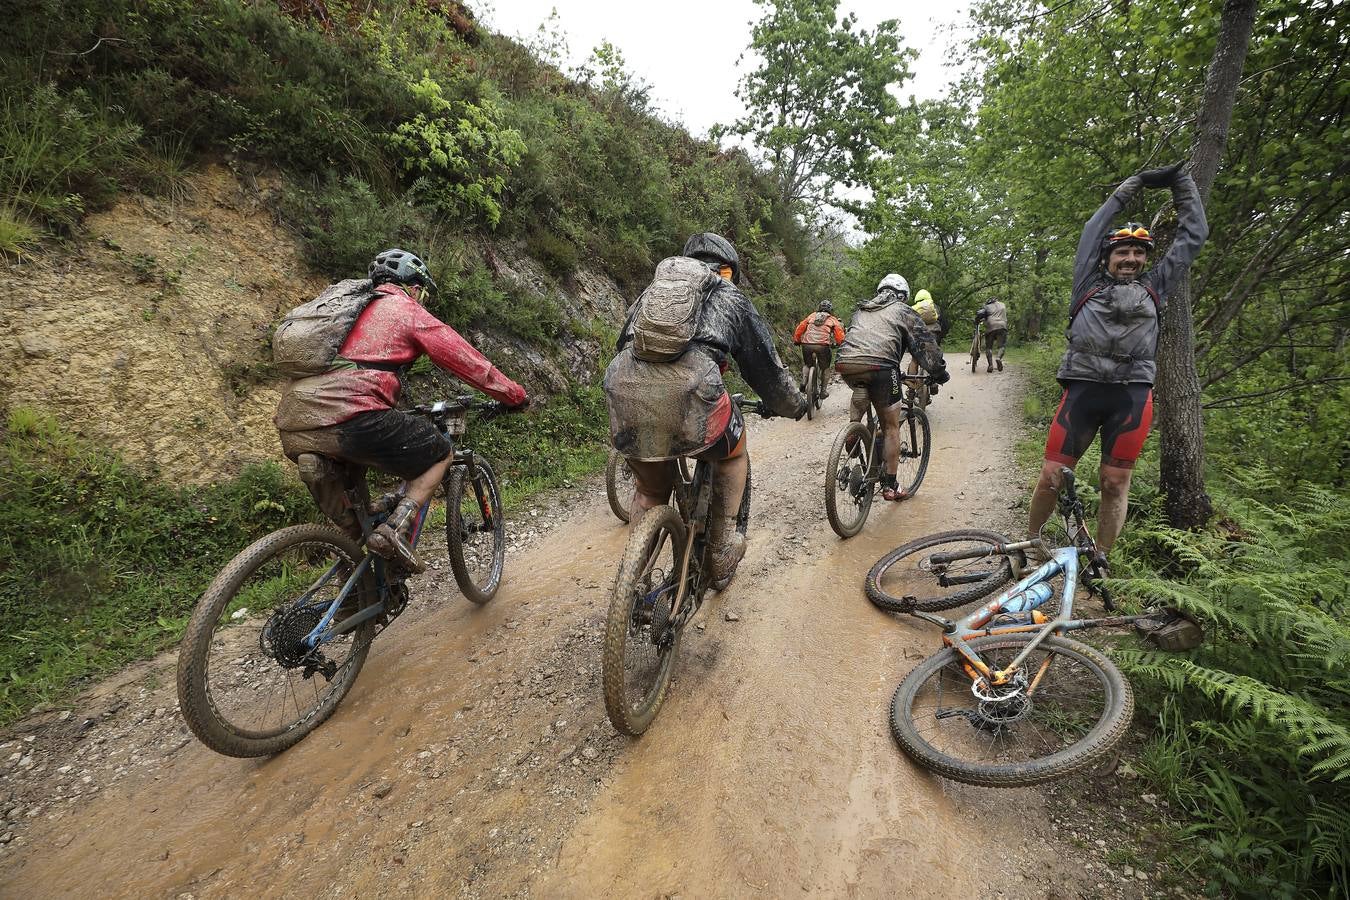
point(283, 637)
point(1000, 705)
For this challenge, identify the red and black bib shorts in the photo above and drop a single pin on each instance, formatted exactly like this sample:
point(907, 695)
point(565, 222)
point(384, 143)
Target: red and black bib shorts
point(1123, 413)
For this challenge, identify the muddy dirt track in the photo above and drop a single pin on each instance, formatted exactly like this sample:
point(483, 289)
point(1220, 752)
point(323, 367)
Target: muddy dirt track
point(473, 757)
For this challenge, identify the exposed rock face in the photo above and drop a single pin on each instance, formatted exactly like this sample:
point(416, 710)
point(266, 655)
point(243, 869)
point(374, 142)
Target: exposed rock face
point(153, 336)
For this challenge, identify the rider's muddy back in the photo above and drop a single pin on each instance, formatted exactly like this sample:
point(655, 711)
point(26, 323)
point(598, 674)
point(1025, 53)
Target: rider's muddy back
point(310, 337)
point(669, 310)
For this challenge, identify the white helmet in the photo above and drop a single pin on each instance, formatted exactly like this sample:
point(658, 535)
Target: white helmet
point(895, 283)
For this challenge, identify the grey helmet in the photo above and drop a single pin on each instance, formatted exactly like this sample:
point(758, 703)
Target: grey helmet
point(894, 282)
point(826, 306)
point(713, 248)
point(400, 267)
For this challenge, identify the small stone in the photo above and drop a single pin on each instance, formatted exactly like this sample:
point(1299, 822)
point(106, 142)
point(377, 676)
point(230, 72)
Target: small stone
point(382, 790)
point(418, 824)
point(29, 738)
point(6, 837)
point(1101, 843)
point(64, 769)
point(590, 753)
point(239, 613)
point(425, 754)
point(732, 617)
point(1141, 874)
point(1129, 872)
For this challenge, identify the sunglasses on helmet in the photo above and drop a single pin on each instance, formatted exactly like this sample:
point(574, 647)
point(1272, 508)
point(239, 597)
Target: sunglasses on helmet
point(1135, 232)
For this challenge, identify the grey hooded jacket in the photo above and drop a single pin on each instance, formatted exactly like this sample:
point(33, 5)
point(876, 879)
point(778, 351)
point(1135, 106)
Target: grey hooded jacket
point(883, 329)
point(1113, 325)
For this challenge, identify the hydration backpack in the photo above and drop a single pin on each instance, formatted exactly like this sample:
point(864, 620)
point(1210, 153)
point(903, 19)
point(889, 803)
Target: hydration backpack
point(309, 338)
point(670, 309)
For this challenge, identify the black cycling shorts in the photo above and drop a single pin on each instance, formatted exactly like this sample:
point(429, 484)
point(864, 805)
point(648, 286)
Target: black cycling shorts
point(1123, 413)
point(392, 441)
point(883, 384)
point(818, 353)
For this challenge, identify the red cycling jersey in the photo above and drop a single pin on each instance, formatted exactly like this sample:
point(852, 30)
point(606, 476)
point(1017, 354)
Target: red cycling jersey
point(393, 330)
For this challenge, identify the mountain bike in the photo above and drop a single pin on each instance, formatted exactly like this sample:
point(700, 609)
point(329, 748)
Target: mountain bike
point(619, 484)
point(662, 579)
point(856, 460)
point(815, 388)
point(281, 633)
point(1011, 700)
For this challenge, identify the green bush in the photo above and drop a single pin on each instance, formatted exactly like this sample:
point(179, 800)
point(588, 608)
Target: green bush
point(343, 222)
point(101, 564)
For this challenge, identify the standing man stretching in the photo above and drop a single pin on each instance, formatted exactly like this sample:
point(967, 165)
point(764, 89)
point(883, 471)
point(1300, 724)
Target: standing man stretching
point(1108, 369)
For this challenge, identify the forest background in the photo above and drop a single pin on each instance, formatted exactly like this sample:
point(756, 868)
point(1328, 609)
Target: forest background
point(401, 122)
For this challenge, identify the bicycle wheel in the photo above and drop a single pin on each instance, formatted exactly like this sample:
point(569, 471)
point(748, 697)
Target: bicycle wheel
point(743, 513)
point(475, 530)
point(915, 447)
point(818, 395)
point(618, 484)
point(247, 685)
point(848, 492)
point(639, 650)
point(907, 578)
point(811, 402)
point(1066, 707)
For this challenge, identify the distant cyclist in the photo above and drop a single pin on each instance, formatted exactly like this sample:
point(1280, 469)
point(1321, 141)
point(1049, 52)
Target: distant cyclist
point(817, 335)
point(932, 317)
point(1108, 369)
point(994, 315)
point(883, 330)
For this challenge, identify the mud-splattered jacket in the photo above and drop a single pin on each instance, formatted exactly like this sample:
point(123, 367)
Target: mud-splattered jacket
point(883, 329)
point(1113, 325)
point(819, 328)
point(392, 332)
point(663, 410)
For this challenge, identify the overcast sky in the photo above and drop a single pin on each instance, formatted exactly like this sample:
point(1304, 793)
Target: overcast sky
point(687, 51)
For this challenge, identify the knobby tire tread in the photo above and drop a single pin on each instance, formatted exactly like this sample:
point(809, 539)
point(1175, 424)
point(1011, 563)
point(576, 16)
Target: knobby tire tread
point(616, 503)
point(625, 720)
point(455, 486)
point(926, 435)
point(891, 603)
point(193, 698)
point(1081, 757)
point(831, 475)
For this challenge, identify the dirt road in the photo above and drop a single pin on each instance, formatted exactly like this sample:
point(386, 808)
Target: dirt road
point(473, 757)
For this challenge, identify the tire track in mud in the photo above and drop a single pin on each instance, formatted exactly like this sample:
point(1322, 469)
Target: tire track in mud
point(473, 757)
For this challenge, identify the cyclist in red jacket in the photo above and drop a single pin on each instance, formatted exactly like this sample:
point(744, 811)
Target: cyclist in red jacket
point(817, 335)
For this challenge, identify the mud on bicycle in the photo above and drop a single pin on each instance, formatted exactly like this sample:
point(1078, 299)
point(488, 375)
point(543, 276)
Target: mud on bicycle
point(281, 633)
point(663, 577)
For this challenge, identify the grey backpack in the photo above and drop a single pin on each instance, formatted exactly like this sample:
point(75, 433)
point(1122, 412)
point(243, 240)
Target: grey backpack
point(669, 310)
point(308, 340)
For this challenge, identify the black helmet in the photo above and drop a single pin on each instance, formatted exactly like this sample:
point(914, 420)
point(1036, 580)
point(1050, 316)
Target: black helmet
point(826, 306)
point(400, 267)
point(1129, 233)
point(713, 248)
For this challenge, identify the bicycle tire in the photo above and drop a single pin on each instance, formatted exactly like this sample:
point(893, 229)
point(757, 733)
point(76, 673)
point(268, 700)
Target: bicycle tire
point(616, 504)
point(1080, 756)
point(201, 713)
point(818, 395)
point(915, 421)
point(843, 528)
point(999, 575)
point(743, 511)
point(469, 585)
point(646, 541)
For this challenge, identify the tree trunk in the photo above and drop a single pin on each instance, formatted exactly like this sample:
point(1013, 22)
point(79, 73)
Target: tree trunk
point(1180, 418)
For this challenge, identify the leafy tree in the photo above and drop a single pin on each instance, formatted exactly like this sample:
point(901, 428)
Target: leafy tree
point(820, 97)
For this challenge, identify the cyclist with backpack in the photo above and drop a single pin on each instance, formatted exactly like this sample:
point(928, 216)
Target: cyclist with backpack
point(1108, 369)
point(883, 330)
point(994, 315)
point(818, 334)
point(933, 319)
point(345, 353)
point(665, 392)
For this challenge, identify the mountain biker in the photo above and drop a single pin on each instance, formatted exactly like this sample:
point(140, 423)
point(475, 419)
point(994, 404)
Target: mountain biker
point(817, 335)
point(347, 412)
point(995, 317)
point(932, 318)
point(660, 411)
point(1107, 371)
point(882, 331)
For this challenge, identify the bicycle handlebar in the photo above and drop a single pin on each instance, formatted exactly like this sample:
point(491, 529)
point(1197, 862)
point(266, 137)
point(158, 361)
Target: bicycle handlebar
point(753, 404)
point(464, 403)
